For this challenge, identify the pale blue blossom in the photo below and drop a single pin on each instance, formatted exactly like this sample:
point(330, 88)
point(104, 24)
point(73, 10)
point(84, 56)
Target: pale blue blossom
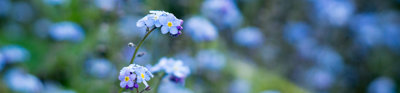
point(15, 53)
point(127, 77)
point(240, 86)
point(167, 21)
point(295, 32)
point(107, 5)
point(170, 24)
point(211, 59)
point(382, 85)
point(143, 75)
point(22, 12)
point(200, 29)
point(336, 12)
point(172, 66)
point(224, 13)
point(5, 6)
point(99, 67)
point(67, 31)
point(249, 37)
point(366, 29)
point(168, 86)
point(2, 61)
point(19, 81)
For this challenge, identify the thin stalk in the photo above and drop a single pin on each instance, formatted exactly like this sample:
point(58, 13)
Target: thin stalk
point(140, 43)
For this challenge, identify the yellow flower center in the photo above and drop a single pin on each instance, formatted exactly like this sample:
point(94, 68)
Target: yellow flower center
point(155, 17)
point(126, 78)
point(142, 75)
point(169, 24)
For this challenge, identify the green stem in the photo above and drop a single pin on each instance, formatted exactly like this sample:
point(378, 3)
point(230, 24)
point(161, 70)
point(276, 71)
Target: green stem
point(120, 90)
point(159, 81)
point(140, 43)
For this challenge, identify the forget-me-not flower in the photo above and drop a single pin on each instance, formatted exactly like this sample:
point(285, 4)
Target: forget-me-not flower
point(143, 75)
point(167, 21)
point(99, 67)
point(15, 53)
point(19, 81)
point(127, 77)
point(249, 37)
point(67, 31)
point(382, 85)
point(200, 29)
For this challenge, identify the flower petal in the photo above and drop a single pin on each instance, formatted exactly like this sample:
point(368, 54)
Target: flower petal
point(164, 29)
point(173, 30)
point(122, 84)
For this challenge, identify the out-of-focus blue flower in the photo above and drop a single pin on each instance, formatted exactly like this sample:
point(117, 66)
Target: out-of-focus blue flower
point(366, 29)
point(296, 31)
point(41, 27)
point(167, 86)
point(55, 2)
point(107, 5)
point(321, 78)
point(15, 53)
point(2, 61)
point(128, 31)
point(143, 75)
point(210, 59)
point(127, 77)
point(328, 58)
point(172, 66)
point(5, 5)
point(19, 81)
point(54, 87)
point(67, 31)
point(200, 29)
point(223, 12)
point(391, 28)
point(306, 48)
point(271, 91)
point(249, 37)
point(240, 86)
point(382, 85)
point(22, 12)
point(336, 12)
point(99, 67)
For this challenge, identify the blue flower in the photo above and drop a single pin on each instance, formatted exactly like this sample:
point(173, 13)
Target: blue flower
point(382, 85)
point(224, 13)
point(367, 30)
point(143, 74)
point(200, 29)
point(170, 24)
point(168, 86)
point(167, 21)
point(296, 31)
point(249, 37)
point(211, 59)
point(99, 67)
point(19, 81)
point(15, 53)
point(2, 61)
point(171, 66)
point(5, 5)
point(67, 31)
point(336, 12)
point(107, 5)
point(127, 77)
point(240, 86)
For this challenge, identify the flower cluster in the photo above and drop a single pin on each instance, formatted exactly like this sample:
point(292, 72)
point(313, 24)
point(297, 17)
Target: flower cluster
point(172, 67)
point(132, 75)
point(167, 21)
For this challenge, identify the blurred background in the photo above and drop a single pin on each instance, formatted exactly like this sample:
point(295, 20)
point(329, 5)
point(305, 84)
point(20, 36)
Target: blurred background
point(231, 46)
